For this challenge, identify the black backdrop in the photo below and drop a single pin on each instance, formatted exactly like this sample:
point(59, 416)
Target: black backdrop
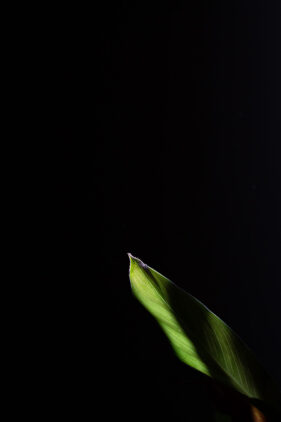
point(167, 145)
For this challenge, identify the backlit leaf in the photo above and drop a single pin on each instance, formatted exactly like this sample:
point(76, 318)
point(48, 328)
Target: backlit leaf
point(200, 338)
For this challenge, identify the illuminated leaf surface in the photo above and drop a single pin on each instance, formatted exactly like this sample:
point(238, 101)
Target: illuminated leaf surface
point(200, 338)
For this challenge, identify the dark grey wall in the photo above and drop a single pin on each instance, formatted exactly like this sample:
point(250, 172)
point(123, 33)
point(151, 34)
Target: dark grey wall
point(168, 130)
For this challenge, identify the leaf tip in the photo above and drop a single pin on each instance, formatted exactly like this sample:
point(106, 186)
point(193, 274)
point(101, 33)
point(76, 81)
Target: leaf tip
point(131, 260)
point(136, 262)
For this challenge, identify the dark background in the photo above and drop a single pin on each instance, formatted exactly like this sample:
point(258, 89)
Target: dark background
point(166, 144)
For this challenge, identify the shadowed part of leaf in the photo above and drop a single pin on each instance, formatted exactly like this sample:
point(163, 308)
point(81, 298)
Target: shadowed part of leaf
point(220, 417)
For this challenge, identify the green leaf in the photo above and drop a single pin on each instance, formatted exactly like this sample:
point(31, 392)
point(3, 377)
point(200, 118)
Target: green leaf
point(200, 338)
